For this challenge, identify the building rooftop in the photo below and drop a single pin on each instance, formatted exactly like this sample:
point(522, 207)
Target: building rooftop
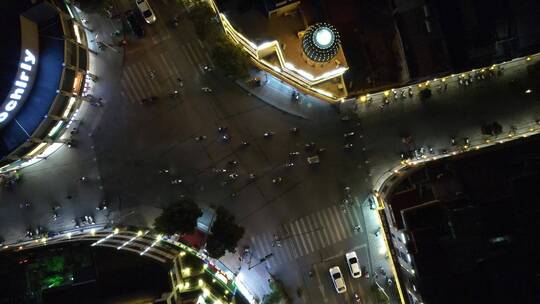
point(474, 244)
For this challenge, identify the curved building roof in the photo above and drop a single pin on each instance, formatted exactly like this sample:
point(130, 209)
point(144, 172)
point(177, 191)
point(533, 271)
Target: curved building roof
point(48, 73)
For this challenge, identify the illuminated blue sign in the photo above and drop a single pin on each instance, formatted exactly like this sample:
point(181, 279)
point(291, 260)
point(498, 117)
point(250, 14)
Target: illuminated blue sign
point(21, 87)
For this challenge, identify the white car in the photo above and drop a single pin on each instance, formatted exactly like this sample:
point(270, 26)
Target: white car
point(146, 11)
point(337, 279)
point(354, 267)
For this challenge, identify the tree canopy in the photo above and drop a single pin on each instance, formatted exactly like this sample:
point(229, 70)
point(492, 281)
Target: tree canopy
point(225, 234)
point(179, 217)
point(231, 59)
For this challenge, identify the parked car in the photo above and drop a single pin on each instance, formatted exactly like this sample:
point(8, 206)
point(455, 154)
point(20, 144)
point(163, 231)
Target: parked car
point(337, 279)
point(134, 24)
point(354, 267)
point(146, 11)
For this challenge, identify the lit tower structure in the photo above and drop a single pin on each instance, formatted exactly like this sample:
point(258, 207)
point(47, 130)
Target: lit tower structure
point(321, 43)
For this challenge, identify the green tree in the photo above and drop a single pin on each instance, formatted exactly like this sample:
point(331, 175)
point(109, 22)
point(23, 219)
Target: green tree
point(179, 217)
point(225, 234)
point(204, 20)
point(231, 59)
point(277, 294)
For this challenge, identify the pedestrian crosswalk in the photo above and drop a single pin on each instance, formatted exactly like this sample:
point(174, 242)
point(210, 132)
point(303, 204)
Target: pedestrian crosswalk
point(137, 82)
point(308, 234)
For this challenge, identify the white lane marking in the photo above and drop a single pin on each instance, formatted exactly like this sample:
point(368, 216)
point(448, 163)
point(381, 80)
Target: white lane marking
point(323, 231)
point(336, 212)
point(329, 216)
point(306, 233)
point(301, 249)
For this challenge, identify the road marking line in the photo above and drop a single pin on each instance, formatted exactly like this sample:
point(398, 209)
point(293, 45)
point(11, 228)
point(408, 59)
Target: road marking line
point(313, 232)
point(320, 228)
point(336, 212)
point(302, 249)
point(195, 52)
point(285, 248)
point(167, 66)
point(323, 231)
point(195, 58)
point(132, 81)
point(299, 237)
point(358, 221)
point(331, 223)
point(291, 243)
point(305, 234)
point(152, 83)
point(136, 87)
point(126, 91)
point(344, 221)
point(187, 55)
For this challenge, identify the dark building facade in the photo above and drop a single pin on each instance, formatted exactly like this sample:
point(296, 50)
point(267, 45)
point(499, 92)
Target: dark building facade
point(462, 229)
point(44, 62)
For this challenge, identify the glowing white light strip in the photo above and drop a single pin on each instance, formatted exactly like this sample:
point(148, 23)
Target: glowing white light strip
point(105, 238)
point(131, 240)
point(151, 246)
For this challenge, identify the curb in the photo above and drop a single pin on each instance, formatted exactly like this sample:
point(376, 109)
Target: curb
point(243, 87)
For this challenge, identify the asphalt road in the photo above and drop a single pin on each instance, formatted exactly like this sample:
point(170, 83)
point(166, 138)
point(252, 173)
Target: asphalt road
point(134, 142)
point(124, 145)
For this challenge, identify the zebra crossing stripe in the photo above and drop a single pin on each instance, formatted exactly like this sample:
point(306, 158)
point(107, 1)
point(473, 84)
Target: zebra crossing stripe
point(331, 223)
point(312, 234)
point(136, 86)
point(148, 81)
point(336, 212)
point(186, 53)
point(306, 233)
point(196, 55)
point(357, 219)
point(319, 228)
point(291, 242)
point(286, 247)
point(344, 220)
point(302, 250)
point(128, 90)
point(140, 79)
point(167, 66)
point(208, 57)
point(326, 228)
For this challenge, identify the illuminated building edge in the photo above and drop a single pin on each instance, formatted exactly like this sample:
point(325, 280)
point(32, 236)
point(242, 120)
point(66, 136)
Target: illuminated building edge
point(286, 70)
point(40, 147)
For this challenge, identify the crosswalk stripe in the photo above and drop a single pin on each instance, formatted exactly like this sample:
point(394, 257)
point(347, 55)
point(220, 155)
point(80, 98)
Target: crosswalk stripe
point(301, 249)
point(285, 248)
point(173, 66)
point(187, 55)
point(128, 90)
point(313, 235)
point(306, 234)
point(274, 260)
point(336, 212)
point(208, 57)
point(318, 226)
point(167, 66)
point(291, 242)
point(138, 81)
point(331, 223)
point(356, 219)
point(344, 220)
point(150, 83)
point(301, 237)
point(132, 80)
point(196, 54)
point(260, 251)
point(325, 230)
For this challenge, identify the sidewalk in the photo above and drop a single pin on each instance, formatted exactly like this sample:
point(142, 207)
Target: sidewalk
point(278, 94)
point(379, 261)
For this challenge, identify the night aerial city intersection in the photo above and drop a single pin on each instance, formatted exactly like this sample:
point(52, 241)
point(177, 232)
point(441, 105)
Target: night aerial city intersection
point(236, 151)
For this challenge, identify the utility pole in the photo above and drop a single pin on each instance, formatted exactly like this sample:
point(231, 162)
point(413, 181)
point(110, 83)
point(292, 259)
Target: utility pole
point(266, 257)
